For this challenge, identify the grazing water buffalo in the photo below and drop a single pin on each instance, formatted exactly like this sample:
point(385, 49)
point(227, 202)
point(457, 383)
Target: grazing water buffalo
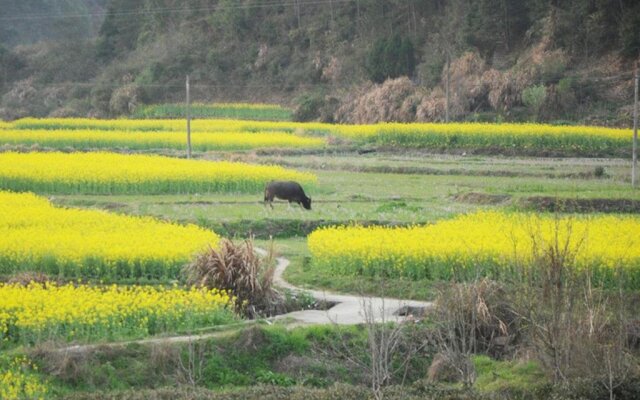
point(286, 190)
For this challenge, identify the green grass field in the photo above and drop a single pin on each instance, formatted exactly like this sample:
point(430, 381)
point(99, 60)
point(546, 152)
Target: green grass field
point(259, 112)
point(343, 195)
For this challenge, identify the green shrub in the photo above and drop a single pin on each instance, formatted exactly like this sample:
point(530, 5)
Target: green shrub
point(390, 57)
point(534, 97)
point(308, 107)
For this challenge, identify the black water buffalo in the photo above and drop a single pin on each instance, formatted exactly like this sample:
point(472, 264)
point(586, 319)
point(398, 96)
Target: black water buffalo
point(286, 190)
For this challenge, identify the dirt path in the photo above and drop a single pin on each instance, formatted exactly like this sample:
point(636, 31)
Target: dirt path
point(348, 310)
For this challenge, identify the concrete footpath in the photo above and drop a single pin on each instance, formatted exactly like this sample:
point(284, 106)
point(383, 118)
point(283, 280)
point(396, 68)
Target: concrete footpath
point(349, 309)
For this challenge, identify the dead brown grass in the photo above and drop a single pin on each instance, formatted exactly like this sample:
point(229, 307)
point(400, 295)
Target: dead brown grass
point(393, 100)
point(28, 277)
point(237, 268)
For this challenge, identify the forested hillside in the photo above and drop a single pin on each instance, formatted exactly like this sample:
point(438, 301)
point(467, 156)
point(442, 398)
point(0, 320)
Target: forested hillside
point(331, 59)
point(32, 21)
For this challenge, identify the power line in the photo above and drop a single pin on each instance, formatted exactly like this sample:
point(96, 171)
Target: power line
point(181, 86)
point(174, 10)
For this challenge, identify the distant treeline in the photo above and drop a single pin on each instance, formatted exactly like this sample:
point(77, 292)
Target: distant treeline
point(106, 57)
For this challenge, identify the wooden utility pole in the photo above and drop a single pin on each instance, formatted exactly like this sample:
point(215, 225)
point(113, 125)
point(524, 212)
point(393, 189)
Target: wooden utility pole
point(634, 171)
point(358, 16)
point(297, 7)
point(446, 112)
point(188, 120)
point(333, 17)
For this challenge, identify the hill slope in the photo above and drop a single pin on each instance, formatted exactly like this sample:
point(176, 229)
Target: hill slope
point(326, 53)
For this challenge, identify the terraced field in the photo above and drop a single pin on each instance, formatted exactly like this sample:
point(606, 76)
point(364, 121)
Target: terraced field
point(397, 210)
point(223, 134)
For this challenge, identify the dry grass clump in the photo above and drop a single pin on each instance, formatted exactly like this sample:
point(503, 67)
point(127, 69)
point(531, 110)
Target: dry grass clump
point(394, 100)
point(473, 318)
point(28, 277)
point(240, 271)
point(501, 93)
point(466, 85)
point(472, 84)
point(68, 366)
point(433, 107)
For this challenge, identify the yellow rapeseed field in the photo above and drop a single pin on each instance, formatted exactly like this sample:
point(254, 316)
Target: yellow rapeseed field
point(409, 131)
point(37, 312)
point(143, 140)
point(489, 242)
point(505, 137)
point(154, 125)
point(110, 173)
point(34, 235)
point(516, 138)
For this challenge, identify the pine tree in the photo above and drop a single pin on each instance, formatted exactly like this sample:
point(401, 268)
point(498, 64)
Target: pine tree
point(390, 57)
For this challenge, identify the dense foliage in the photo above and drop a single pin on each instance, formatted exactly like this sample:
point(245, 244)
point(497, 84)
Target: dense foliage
point(390, 58)
point(248, 50)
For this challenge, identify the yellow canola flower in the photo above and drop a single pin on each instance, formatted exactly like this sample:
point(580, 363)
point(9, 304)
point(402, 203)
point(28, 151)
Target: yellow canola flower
point(109, 173)
point(36, 312)
point(18, 381)
point(34, 235)
point(491, 242)
point(140, 140)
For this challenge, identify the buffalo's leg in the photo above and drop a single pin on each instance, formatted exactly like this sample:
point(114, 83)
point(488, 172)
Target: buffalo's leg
point(268, 199)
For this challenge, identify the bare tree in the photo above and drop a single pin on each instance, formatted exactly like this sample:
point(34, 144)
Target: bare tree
point(384, 339)
point(576, 327)
point(191, 363)
point(392, 343)
point(469, 319)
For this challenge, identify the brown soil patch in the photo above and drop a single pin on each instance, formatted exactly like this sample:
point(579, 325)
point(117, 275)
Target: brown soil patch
point(482, 198)
point(554, 204)
point(112, 206)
